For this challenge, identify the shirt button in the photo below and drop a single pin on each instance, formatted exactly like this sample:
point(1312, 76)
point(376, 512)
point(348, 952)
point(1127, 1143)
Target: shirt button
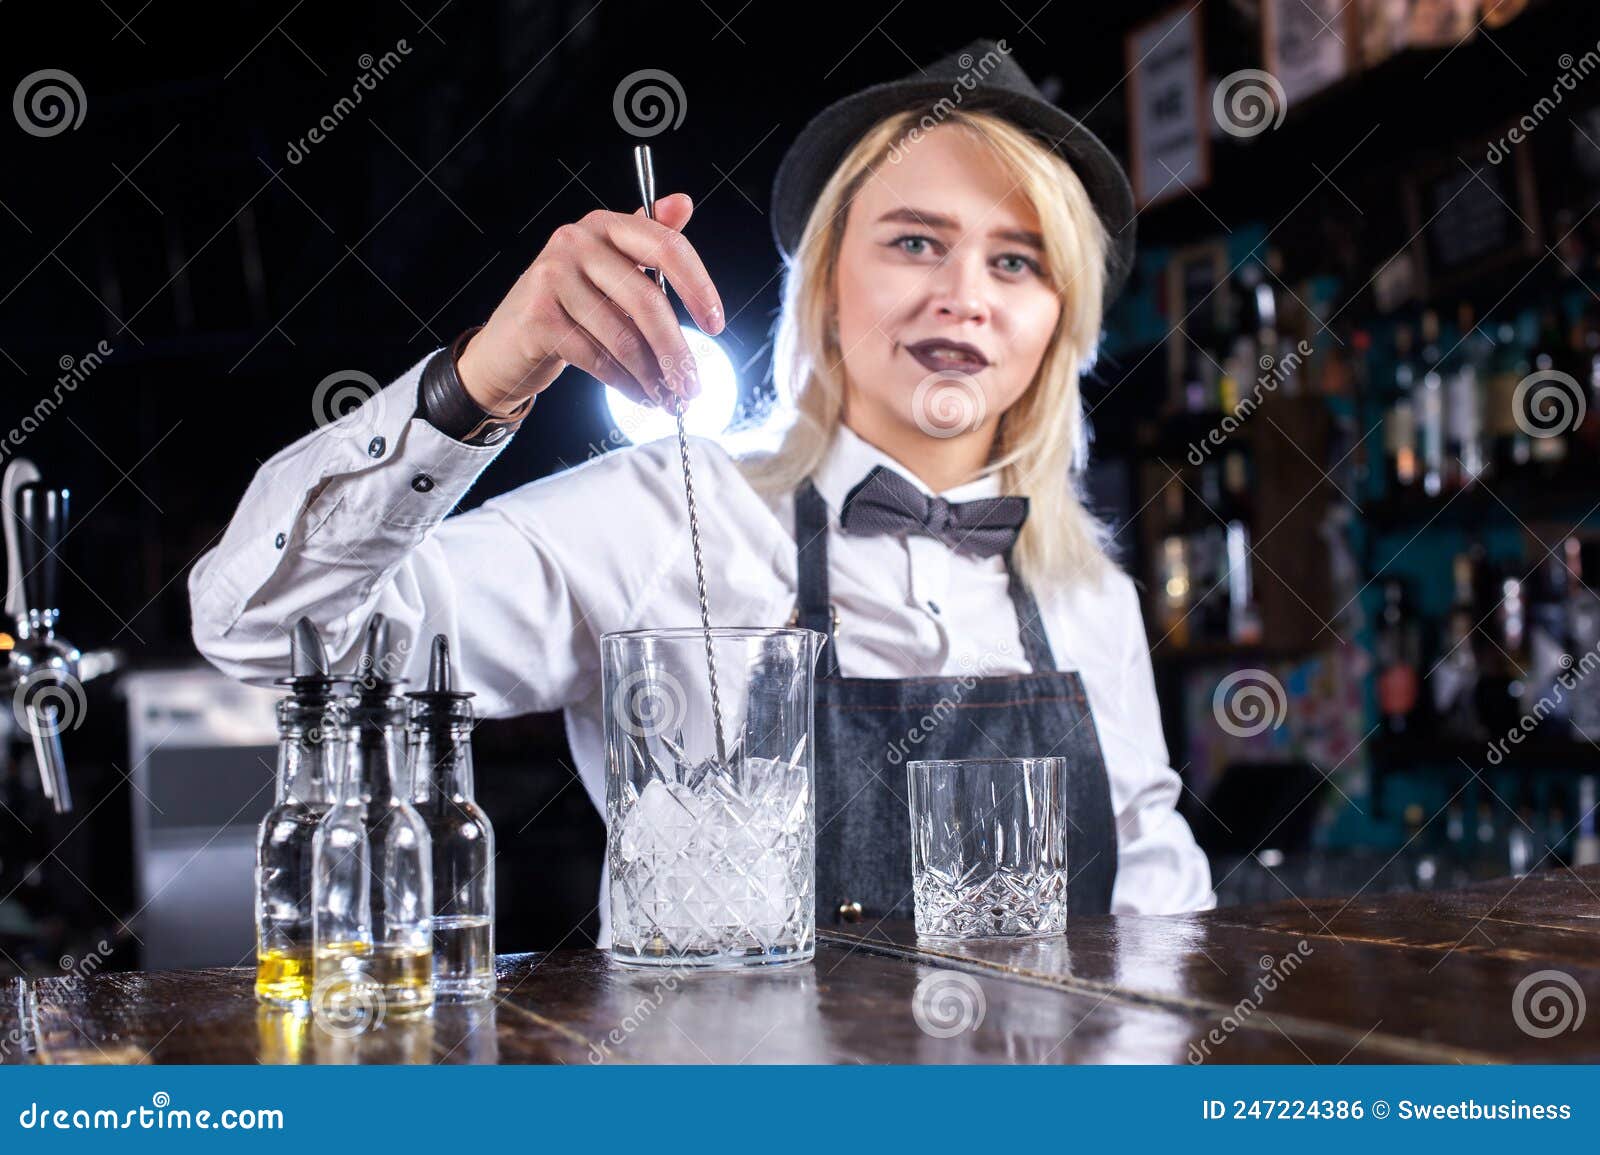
point(279, 541)
point(375, 447)
point(422, 483)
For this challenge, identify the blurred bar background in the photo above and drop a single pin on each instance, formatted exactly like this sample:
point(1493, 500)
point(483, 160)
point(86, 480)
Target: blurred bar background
point(1345, 417)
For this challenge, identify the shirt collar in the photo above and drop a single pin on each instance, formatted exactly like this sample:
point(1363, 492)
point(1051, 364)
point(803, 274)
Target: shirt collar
point(849, 459)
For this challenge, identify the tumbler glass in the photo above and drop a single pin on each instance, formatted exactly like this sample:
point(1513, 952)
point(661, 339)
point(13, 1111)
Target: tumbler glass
point(988, 847)
point(711, 852)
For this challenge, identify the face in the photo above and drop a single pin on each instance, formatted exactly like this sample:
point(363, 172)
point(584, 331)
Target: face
point(945, 305)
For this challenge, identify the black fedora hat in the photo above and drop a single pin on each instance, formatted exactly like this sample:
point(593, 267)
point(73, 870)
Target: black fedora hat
point(982, 76)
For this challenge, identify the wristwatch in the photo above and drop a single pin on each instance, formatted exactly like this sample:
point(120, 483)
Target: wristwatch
point(444, 403)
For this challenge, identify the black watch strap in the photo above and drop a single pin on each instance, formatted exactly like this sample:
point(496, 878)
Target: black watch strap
point(444, 403)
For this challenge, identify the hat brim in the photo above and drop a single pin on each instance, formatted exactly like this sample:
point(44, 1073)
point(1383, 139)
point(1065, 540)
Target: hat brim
point(829, 135)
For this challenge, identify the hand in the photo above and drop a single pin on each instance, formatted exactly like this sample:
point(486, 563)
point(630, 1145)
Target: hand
point(585, 301)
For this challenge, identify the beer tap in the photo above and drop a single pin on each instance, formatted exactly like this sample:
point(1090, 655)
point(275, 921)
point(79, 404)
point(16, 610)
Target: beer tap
point(41, 676)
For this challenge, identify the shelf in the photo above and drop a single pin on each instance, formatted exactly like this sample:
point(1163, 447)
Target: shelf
point(1511, 500)
point(1391, 753)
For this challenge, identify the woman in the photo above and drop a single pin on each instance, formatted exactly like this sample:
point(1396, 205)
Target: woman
point(952, 240)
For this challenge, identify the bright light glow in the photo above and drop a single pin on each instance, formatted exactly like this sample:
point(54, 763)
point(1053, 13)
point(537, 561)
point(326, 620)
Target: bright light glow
point(706, 415)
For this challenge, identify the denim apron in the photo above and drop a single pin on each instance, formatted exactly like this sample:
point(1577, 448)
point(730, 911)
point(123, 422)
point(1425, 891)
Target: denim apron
point(867, 729)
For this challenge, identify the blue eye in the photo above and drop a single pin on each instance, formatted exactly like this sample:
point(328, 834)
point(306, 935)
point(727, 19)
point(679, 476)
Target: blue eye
point(1017, 263)
point(913, 245)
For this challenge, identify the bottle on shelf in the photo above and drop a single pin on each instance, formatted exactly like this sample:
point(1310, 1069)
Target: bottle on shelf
point(1505, 659)
point(1455, 675)
point(1522, 838)
point(1550, 650)
point(1510, 447)
point(373, 860)
point(1583, 624)
point(1430, 409)
point(1586, 846)
point(1399, 657)
point(1400, 423)
point(459, 832)
point(1551, 416)
point(308, 728)
point(1466, 376)
point(1244, 615)
point(1208, 555)
point(1175, 584)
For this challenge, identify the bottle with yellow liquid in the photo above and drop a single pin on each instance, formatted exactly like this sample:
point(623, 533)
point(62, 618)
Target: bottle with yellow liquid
point(373, 925)
point(307, 744)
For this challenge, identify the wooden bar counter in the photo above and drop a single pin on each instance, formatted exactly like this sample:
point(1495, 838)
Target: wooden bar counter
point(1403, 978)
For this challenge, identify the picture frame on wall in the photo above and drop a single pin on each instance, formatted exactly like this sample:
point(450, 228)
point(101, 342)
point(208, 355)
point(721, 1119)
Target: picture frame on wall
point(1169, 124)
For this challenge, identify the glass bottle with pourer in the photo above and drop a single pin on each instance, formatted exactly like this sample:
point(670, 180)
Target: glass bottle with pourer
point(440, 751)
point(373, 862)
point(308, 726)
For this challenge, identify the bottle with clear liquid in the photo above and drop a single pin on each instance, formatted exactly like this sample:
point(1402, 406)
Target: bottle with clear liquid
point(308, 727)
point(440, 754)
point(373, 861)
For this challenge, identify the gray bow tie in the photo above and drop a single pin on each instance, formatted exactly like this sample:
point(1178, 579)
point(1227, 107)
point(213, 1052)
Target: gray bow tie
point(885, 502)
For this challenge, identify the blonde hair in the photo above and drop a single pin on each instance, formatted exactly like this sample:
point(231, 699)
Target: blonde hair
point(1040, 444)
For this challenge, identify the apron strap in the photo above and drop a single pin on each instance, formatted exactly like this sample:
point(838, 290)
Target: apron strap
point(1030, 626)
point(812, 609)
point(814, 612)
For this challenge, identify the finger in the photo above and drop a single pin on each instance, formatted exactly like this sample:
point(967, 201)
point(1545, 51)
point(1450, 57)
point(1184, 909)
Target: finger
point(655, 246)
point(672, 210)
point(577, 346)
point(616, 332)
point(637, 295)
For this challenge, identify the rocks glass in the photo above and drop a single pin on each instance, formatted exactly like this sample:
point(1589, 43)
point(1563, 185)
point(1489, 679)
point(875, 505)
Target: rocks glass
point(989, 847)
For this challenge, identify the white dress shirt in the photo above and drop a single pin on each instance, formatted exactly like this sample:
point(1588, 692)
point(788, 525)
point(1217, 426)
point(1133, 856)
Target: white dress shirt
point(351, 519)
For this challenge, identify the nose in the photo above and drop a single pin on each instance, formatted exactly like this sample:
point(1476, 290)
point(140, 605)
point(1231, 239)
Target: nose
point(959, 290)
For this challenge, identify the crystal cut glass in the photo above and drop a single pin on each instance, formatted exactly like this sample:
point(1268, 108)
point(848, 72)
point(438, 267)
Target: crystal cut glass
point(711, 853)
point(989, 847)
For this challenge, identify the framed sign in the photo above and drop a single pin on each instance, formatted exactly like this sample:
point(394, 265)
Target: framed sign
point(1472, 221)
point(1308, 44)
point(1168, 115)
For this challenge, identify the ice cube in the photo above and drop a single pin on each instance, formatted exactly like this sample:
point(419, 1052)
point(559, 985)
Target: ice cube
point(662, 822)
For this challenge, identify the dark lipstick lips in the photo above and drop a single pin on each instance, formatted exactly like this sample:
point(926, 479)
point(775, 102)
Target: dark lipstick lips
point(970, 358)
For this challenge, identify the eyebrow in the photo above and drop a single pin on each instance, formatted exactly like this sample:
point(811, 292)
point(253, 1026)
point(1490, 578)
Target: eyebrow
point(934, 220)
